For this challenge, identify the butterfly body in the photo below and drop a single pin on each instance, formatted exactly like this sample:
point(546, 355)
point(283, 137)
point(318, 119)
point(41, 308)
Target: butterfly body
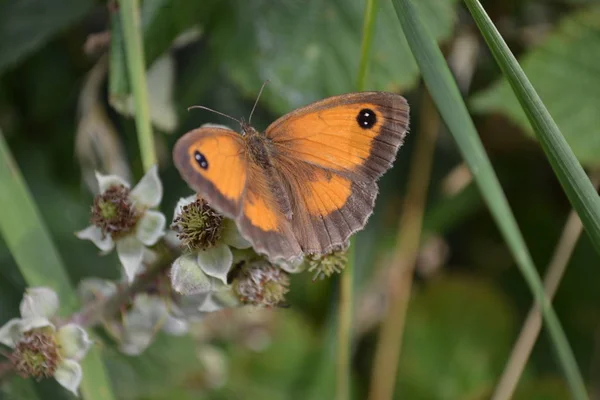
point(305, 184)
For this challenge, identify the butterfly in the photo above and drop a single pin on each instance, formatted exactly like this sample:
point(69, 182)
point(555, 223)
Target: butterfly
point(308, 182)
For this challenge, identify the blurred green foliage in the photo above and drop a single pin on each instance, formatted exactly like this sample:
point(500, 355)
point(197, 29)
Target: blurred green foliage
point(464, 316)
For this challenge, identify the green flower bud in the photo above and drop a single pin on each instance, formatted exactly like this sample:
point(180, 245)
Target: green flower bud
point(328, 264)
point(261, 283)
point(198, 226)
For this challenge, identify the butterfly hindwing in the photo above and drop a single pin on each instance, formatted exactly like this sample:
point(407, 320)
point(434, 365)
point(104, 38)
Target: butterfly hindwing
point(330, 154)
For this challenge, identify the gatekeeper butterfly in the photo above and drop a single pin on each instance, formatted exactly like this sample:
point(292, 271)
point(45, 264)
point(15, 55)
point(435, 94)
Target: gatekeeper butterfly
point(307, 183)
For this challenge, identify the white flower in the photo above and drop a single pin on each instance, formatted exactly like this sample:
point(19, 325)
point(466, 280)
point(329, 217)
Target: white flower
point(205, 270)
point(126, 219)
point(61, 349)
point(148, 314)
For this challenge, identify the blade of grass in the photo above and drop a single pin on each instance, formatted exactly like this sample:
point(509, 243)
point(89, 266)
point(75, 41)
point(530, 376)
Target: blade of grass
point(569, 172)
point(533, 323)
point(134, 50)
point(451, 106)
point(367, 39)
point(346, 304)
point(38, 260)
point(383, 375)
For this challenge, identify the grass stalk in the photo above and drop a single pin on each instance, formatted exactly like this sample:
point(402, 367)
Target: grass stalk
point(136, 66)
point(575, 182)
point(533, 323)
point(38, 260)
point(387, 352)
point(453, 110)
point(346, 300)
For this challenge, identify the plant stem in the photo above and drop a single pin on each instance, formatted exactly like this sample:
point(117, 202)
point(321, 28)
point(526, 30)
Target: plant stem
point(344, 342)
point(387, 353)
point(106, 308)
point(136, 66)
point(533, 324)
point(453, 110)
point(367, 40)
point(346, 301)
point(568, 170)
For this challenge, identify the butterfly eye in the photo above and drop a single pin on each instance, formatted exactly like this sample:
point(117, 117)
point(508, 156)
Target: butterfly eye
point(366, 118)
point(201, 160)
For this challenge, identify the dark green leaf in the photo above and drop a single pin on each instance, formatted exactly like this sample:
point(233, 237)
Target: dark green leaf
point(567, 61)
point(25, 25)
point(310, 49)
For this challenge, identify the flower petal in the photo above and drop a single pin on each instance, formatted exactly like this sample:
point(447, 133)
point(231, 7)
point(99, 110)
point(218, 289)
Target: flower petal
point(187, 278)
point(175, 326)
point(92, 289)
point(93, 233)
point(39, 302)
point(293, 266)
point(74, 341)
point(150, 227)
point(10, 333)
point(232, 236)
point(210, 305)
point(28, 324)
point(69, 375)
point(149, 191)
point(216, 261)
point(106, 181)
point(146, 316)
point(184, 201)
point(134, 345)
point(130, 251)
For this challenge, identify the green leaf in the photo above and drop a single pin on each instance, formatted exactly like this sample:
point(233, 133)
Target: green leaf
point(29, 242)
point(458, 332)
point(26, 235)
point(447, 97)
point(25, 25)
point(567, 61)
point(311, 49)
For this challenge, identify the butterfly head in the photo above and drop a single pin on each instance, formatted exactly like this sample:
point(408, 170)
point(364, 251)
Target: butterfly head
point(247, 129)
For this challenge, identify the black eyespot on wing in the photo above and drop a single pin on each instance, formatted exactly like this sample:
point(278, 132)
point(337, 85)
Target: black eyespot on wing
point(366, 118)
point(201, 160)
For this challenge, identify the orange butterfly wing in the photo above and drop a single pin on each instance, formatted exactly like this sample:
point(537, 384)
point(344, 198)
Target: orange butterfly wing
point(262, 220)
point(329, 156)
point(213, 161)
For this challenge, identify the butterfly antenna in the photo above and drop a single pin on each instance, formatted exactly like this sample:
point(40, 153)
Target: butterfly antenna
point(256, 102)
point(216, 112)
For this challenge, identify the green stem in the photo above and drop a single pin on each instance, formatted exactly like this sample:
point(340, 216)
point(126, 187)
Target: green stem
point(575, 182)
point(445, 93)
point(137, 77)
point(346, 304)
point(344, 342)
point(367, 40)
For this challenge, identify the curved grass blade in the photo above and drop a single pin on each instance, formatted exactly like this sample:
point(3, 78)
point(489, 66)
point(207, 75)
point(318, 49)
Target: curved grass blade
point(451, 106)
point(575, 182)
point(38, 260)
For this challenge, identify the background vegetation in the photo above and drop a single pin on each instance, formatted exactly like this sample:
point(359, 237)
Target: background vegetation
point(66, 110)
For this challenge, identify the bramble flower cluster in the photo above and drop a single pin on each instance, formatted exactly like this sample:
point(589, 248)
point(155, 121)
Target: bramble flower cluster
point(42, 349)
point(126, 219)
